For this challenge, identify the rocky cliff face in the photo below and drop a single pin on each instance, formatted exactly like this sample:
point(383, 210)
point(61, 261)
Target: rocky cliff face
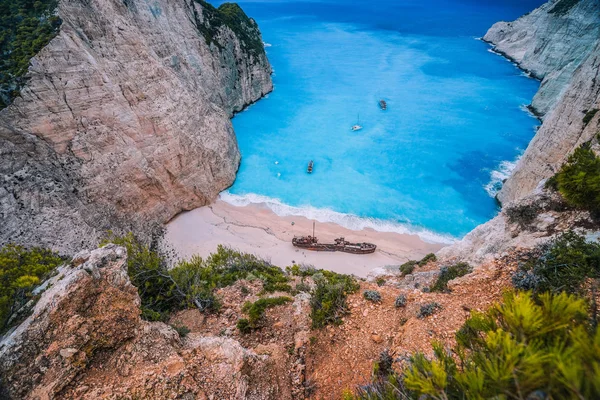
point(85, 340)
point(125, 120)
point(560, 44)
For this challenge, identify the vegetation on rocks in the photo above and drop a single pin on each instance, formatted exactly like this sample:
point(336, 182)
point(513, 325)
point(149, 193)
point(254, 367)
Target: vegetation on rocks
point(449, 273)
point(578, 180)
point(589, 115)
point(428, 310)
point(524, 348)
point(372, 295)
point(400, 301)
point(191, 283)
point(428, 258)
point(232, 16)
point(563, 264)
point(26, 26)
point(328, 298)
point(408, 267)
point(561, 7)
point(256, 311)
point(21, 270)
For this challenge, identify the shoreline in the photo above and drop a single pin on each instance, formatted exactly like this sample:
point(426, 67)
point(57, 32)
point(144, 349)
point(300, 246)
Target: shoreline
point(257, 230)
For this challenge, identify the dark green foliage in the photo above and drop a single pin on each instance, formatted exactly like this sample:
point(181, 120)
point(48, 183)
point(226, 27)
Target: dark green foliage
point(21, 270)
point(523, 348)
point(182, 330)
point(328, 301)
point(449, 273)
point(303, 287)
point(589, 115)
point(257, 309)
point(26, 26)
point(523, 214)
point(428, 309)
point(527, 347)
point(400, 301)
point(429, 257)
point(408, 267)
point(380, 281)
point(232, 16)
point(244, 325)
point(372, 295)
point(564, 264)
point(563, 6)
point(578, 181)
point(191, 283)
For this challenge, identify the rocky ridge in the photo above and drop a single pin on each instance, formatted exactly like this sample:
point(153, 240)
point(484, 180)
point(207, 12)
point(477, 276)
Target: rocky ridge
point(125, 119)
point(560, 44)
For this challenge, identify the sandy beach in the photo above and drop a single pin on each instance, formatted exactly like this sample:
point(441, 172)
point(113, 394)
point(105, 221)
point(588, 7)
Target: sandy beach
point(257, 230)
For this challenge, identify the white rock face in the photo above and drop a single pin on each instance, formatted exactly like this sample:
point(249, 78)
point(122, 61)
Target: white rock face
point(125, 120)
point(561, 47)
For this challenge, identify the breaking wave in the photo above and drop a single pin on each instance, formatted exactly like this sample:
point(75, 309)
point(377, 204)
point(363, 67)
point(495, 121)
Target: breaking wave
point(325, 215)
point(499, 175)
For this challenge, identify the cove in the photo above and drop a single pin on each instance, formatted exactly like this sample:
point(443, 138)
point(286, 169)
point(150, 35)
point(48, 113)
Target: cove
point(430, 163)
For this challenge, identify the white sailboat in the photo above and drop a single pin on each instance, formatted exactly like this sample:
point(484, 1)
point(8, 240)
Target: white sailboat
point(357, 127)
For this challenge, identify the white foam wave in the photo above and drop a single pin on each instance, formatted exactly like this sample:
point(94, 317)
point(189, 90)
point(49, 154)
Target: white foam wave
point(499, 175)
point(267, 44)
point(325, 215)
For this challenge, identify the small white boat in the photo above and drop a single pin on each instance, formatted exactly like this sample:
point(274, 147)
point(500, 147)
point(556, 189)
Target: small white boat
point(357, 127)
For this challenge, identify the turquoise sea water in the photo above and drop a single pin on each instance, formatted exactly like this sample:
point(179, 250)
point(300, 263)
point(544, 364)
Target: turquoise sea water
point(429, 164)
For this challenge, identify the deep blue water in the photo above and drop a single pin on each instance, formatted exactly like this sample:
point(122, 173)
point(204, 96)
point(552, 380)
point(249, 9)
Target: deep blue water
point(428, 164)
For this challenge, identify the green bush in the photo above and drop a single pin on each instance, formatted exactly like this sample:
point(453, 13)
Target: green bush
point(589, 115)
point(191, 283)
point(564, 264)
point(400, 301)
point(527, 347)
point(380, 281)
point(26, 26)
point(429, 257)
point(428, 310)
point(523, 214)
point(21, 270)
point(244, 325)
point(328, 300)
point(522, 348)
point(257, 309)
point(578, 181)
point(449, 273)
point(408, 267)
point(181, 330)
point(372, 295)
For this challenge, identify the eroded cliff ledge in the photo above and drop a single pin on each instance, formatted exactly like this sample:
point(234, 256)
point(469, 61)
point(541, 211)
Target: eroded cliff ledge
point(558, 43)
point(125, 120)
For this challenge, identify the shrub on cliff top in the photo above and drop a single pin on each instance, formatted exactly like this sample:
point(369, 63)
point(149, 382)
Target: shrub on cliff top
point(191, 283)
point(408, 267)
point(449, 273)
point(256, 310)
point(522, 348)
point(578, 181)
point(428, 258)
point(328, 300)
point(564, 264)
point(21, 270)
point(372, 295)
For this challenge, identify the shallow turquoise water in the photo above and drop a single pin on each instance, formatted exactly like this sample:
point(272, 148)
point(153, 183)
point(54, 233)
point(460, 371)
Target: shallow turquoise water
point(430, 162)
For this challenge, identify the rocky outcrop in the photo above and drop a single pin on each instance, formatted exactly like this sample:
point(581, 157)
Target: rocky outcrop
point(125, 120)
point(558, 43)
point(85, 340)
